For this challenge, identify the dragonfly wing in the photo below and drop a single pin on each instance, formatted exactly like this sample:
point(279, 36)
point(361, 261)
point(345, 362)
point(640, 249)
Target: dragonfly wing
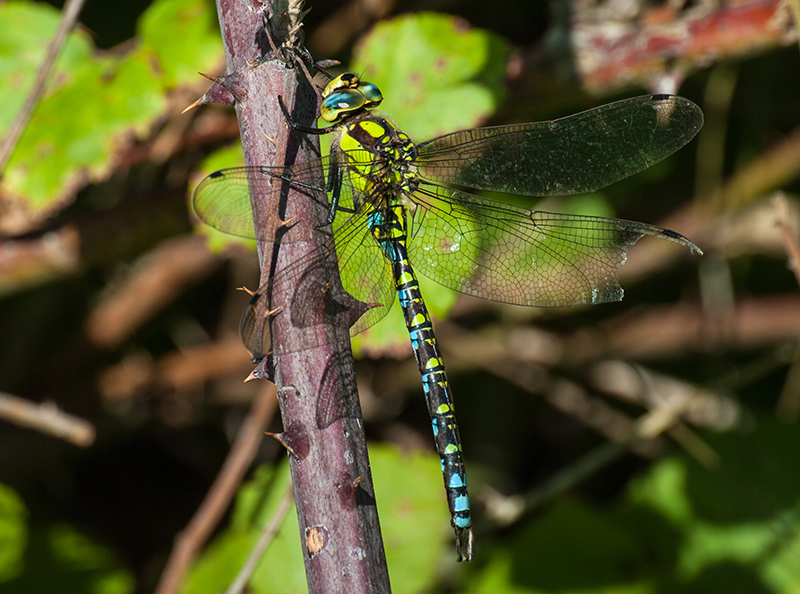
point(579, 153)
point(222, 200)
point(365, 271)
point(313, 300)
point(514, 255)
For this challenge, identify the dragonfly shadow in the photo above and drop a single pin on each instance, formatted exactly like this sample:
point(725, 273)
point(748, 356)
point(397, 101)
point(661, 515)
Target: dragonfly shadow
point(337, 398)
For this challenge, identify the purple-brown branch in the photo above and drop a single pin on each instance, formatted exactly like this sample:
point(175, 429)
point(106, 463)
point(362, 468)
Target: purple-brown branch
point(333, 491)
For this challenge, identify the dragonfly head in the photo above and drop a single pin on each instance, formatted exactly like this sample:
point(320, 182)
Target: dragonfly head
point(347, 94)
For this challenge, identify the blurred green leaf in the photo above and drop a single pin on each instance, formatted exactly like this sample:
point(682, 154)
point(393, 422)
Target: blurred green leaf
point(76, 553)
point(413, 514)
point(745, 513)
point(182, 35)
point(107, 100)
point(414, 519)
point(573, 535)
point(23, 25)
point(13, 533)
point(664, 490)
point(59, 558)
point(666, 535)
point(437, 73)
point(256, 504)
point(389, 337)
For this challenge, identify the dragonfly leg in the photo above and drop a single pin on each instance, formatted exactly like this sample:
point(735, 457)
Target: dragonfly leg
point(301, 127)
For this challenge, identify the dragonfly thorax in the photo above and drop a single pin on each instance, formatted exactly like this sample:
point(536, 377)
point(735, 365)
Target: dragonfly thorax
point(380, 157)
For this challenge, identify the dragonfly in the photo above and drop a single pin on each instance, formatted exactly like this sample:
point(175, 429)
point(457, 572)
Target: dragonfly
point(395, 207)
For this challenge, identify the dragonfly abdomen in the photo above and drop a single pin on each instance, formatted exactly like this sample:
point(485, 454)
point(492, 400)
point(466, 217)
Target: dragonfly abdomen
point(388, 228)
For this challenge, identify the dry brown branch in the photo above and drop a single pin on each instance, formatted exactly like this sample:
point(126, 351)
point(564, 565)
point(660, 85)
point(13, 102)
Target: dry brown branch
point(46, 418)
point(26, 262)
point(612, 53)
point(635, 384)
point(788, 407)
point(160, 276)
point(346, 24)
point(667, 331)
point(770, 171)
point(640, 435)
point(179, 371)
point(597, 414)
point(789, 233)
point(744, 190)
point(599, 49)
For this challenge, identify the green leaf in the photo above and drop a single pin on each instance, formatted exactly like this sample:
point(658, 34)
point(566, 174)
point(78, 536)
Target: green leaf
point(681, 528)
point(13, 533)
point(173, 30)
point(437, 74)
point(414, 522)
point(23, 26)
point(414, 518)
point(76, 554)
point(737, 525)
point(664, 490)
point(256, 504)
point(572, 535)
point(387, 338)
point(60, 558)
point(107, 101)
point(96, 104)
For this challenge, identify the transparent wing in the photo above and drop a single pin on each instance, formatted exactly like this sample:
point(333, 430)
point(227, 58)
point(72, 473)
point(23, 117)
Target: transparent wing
point(304, 290)
point(222, 200)
point(480, 247)
point(579, 153)
point(505, 253)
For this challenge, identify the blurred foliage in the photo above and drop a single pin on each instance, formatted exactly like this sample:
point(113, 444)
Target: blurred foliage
point(678, 528)
point(56, 557)
point(108, 157)
point(416, 536)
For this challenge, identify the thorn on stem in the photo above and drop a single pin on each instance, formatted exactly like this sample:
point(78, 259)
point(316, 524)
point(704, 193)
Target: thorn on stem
point(279, 437)
point(197, 103)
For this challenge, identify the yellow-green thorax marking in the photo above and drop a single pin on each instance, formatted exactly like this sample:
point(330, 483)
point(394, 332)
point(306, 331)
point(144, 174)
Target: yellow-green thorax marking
point(380, 157)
